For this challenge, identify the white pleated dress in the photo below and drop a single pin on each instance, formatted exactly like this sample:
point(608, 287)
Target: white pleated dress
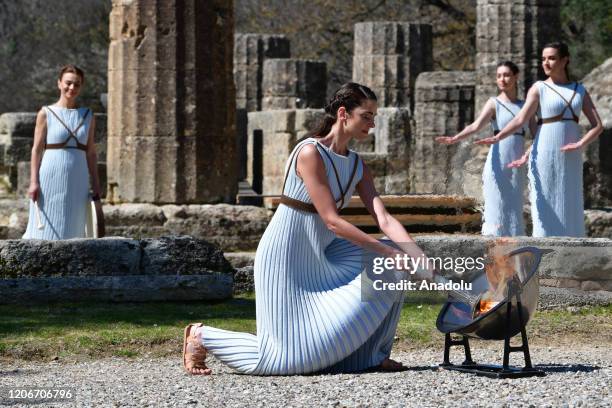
point(310, 316)
point(63, 178)
point(555, 177)
point(503, 187)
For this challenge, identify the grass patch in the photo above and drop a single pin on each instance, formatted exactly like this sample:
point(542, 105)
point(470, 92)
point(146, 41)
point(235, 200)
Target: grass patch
point(95, 330)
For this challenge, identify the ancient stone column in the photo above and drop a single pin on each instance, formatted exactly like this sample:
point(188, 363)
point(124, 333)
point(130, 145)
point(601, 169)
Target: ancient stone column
point(171, 102)
point(250, 52)
point(514, 30)
point(444, 104)
point(388, 57)
point(294, 84)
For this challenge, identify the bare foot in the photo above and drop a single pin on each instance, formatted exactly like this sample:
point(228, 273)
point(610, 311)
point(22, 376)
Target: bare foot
point(194, 353)
point(391, 365)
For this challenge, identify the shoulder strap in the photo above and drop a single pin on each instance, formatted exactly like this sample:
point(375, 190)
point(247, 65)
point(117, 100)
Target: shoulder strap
point(568, 104)
point(503, 105)
point(337, 176)
point(71, 133)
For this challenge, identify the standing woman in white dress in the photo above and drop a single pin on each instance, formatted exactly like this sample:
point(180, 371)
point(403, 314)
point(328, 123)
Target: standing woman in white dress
point(502, 186)
point(555, 163)
point(63, 159)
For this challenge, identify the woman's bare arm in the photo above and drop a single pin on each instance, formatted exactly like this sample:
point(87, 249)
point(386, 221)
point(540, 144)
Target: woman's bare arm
point(526, 113)
point(311, 169)
point(596, 126)
point(38, 147)
point(92, 157)
point(487, 113)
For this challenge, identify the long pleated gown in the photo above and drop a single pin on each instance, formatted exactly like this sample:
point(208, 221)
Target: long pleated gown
point(310, 315)
point(555, 177)
point(503, 187)
point(63, 179)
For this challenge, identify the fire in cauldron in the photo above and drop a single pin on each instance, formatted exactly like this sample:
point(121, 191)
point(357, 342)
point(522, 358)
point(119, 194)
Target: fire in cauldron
point(500, 305)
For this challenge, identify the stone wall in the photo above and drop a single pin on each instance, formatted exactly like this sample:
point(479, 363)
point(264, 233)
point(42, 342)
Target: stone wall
point(444, 105)
point(111, 269)
point(598, 166)
point(274, 133)
point(250, 52)
point(515, 31)
point(388, 57)
point(294, 84)
point(171, 102)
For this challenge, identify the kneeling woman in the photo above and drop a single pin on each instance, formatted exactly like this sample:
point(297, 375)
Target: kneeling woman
point(310, 315)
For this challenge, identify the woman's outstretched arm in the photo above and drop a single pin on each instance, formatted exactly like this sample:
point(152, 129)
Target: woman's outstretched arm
point(526, 113)
point(487, 113)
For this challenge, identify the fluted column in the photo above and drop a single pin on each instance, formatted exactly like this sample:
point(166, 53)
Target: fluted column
point(171, 102)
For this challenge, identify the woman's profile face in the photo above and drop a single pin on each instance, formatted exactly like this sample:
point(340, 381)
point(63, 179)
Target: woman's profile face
point(552, 62)
point(70, 85)
point(505, 78)
point(361, 119)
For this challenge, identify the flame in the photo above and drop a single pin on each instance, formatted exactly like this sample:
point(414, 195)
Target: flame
point(499, 271)
point(484, 305)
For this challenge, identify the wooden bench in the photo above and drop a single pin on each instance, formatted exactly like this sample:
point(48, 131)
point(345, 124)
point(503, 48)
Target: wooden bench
point(424, 213)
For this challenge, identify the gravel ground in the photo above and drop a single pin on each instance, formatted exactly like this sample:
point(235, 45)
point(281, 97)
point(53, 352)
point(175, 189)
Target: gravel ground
point(576, 377)
point(554, 298)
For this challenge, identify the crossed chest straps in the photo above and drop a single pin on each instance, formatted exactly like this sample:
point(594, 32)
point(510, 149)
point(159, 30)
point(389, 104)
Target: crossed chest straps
point(303, 206)
point(495, 132)
point(568, 105)
point(71, 134)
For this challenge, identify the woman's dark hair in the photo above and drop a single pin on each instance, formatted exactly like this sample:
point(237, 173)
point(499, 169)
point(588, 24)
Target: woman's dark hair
point(71, 69)
point(509, 64)
point(350, 95)
point(563, 51)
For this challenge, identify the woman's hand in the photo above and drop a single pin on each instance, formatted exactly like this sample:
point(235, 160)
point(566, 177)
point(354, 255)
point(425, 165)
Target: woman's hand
point(33, 191)
point(447, 140)
point(518, 163)
point(571, 147)
point(488, 140)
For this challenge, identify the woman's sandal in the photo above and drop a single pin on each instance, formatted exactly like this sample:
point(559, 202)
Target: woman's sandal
point(194, 353)
point(391, 366)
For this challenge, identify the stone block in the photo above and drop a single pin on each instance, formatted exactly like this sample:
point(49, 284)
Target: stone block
point(34, 258)
point(597, 171)
point(598, 223)
point(163, 78)
point(307, 119)
point(444, 105)
point(250, 52)
point(181, 255)
point(170, 268)
point(389, 56)
point(23, 178)
point(17, 124)
point(531, 23)
point(393, 138)
point(293, 83)
point(100, 136)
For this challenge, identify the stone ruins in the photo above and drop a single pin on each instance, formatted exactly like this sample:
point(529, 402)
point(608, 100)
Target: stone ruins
point(177, 138)
point(196, 111)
